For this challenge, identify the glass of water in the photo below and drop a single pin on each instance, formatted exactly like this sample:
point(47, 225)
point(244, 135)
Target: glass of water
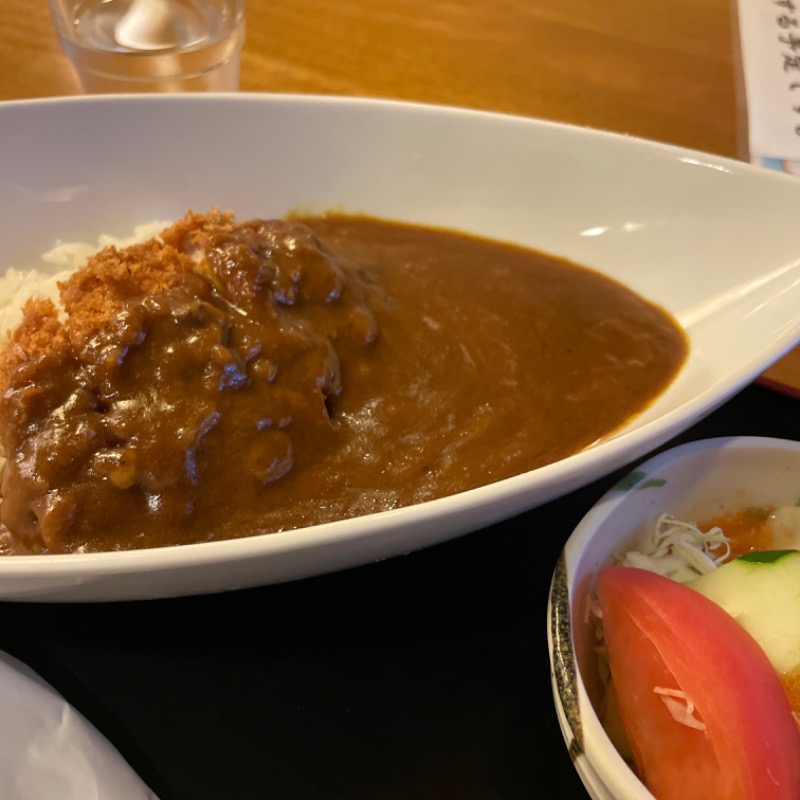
point(152, 45)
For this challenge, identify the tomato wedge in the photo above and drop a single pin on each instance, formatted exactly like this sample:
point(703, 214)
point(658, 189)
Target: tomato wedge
point(670, 646)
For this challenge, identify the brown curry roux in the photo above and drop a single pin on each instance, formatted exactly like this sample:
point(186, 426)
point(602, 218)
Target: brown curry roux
point(249, 377)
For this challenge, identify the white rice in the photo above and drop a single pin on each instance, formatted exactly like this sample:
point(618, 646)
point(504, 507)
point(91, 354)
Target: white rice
point(18, 285)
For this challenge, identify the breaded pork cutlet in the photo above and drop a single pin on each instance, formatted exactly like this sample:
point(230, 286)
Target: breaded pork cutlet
point(168, 364)
point(93, 297)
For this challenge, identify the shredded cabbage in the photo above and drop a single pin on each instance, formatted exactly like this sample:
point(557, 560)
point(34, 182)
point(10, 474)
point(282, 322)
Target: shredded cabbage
point(679, 550)
point(680, 706)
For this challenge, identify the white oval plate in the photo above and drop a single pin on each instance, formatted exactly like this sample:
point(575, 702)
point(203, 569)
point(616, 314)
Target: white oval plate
point(711, 240)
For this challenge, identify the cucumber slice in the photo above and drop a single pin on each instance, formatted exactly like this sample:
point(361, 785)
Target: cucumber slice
point(762, 592)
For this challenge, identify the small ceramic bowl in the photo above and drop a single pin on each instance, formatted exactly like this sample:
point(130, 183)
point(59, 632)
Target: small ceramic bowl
point(695, 481)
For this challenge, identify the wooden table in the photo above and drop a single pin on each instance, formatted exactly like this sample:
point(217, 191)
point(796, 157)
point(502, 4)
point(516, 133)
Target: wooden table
point(665, 71)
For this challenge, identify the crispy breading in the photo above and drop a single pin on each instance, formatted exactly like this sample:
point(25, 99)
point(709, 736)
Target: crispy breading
point(95, 294)
point(39, 332)
point(192, 230)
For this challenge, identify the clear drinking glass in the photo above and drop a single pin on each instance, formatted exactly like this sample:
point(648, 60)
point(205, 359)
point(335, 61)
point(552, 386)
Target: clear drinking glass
point(152, 45)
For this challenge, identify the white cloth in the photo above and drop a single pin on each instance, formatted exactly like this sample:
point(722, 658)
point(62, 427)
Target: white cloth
point(49, 750)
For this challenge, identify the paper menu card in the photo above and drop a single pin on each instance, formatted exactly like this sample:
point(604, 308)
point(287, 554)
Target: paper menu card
point(769, 41)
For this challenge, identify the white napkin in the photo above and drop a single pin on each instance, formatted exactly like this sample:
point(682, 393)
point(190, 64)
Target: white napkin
point(48, 750)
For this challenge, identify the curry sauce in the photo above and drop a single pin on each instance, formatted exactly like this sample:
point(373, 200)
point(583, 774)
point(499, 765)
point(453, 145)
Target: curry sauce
point(235, 378)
